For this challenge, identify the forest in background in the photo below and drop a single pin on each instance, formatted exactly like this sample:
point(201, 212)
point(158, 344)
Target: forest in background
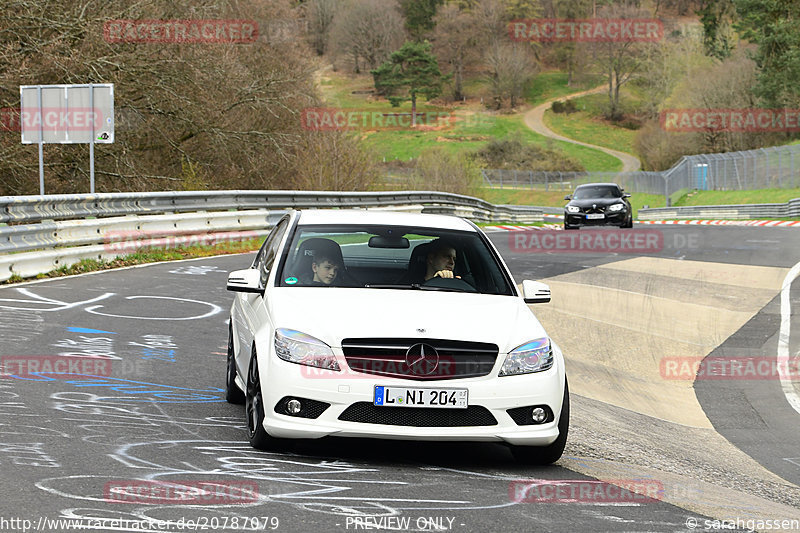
point(227, 116)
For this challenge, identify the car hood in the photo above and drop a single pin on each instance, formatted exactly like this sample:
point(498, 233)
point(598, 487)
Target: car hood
point(333, 314)
point(597, 201)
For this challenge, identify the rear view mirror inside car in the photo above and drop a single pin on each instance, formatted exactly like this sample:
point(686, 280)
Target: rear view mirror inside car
point(384, 241)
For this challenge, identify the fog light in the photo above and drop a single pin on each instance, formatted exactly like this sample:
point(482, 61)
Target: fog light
point(293, 407)
point(538, 415)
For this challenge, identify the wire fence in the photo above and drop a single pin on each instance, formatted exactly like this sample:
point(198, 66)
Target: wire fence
point(639, 181)
point(765, 168)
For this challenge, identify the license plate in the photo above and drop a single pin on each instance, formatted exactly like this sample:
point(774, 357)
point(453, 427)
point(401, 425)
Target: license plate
point(414, 397)
point(595, 216)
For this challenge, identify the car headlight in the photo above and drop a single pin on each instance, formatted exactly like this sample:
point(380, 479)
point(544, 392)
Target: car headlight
point(573, 209)
point(616, 207)
point(533, 356)
point(296, 347)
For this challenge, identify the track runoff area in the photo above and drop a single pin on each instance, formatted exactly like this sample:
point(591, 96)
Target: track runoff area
point(679, 350)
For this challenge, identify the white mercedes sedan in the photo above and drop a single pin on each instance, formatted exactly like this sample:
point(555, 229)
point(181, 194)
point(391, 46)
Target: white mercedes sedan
point(390, 325)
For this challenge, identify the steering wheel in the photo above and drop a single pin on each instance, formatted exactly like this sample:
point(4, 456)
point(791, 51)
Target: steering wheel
point(450, 283)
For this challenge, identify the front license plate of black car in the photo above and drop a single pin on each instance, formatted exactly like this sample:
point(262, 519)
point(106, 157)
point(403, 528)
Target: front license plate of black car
point(420, 397)
point(595, 216)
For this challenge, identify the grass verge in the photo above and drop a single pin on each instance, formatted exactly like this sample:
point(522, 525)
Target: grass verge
point(553, 84)
point(585, 127)
point(760, 196)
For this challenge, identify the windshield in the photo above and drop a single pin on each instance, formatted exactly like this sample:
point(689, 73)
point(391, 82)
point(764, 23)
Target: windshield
point(597, 191)
point(391, 257)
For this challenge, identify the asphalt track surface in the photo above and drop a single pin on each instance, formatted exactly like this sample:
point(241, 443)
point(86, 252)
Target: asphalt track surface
point(729, 451)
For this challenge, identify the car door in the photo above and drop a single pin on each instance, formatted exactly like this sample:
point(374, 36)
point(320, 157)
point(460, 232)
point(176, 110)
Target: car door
point(252, 315)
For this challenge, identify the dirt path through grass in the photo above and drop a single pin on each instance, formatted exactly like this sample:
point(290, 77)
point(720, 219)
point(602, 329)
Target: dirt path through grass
point(534, 119)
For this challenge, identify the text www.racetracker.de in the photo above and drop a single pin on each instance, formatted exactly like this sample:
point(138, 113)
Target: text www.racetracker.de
point(256, 523)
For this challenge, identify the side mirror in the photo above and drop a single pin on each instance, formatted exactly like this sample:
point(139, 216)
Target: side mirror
point(248, 280)
point(535, 292)
point(626, 195)
point(568, 197)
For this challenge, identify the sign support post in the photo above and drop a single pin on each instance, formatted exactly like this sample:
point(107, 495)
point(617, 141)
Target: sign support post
point(41, 142)
point(91, 143)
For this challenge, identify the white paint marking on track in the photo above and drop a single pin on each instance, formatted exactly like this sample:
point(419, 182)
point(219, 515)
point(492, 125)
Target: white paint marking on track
point(214, 309)
point(783, 340)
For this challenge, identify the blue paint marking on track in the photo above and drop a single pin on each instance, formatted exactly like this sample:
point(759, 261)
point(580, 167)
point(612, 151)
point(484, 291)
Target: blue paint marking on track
point(133, 391)
point(88, 330)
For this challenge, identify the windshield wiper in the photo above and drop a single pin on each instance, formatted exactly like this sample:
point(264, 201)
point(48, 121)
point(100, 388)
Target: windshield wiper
point(435, 288)
point(391, 286)
point(413, 286)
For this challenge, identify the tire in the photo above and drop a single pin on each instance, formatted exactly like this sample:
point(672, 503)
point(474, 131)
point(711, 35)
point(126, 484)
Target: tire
point(254, 409)
point(233, 394)
point(567, 226)
point(629, 223)
point(545, 455)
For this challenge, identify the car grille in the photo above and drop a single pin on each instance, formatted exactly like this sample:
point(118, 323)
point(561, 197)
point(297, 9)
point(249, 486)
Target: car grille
point(436, 359)
point(598, 209)
point(367, 413)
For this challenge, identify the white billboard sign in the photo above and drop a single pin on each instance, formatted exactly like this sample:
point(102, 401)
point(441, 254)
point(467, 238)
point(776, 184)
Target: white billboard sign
point(67, 113)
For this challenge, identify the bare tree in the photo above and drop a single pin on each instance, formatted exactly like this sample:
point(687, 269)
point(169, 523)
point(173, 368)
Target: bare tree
point(714, 87)
point(492, 20)
point(332, 160)
point(221, 115)
point(320, 17)
point(619, 59)
point(511, 67)
point(456, 40)
point(665, 65)
point(367, 31)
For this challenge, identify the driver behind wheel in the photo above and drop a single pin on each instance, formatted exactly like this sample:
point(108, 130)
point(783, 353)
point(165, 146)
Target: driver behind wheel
point(441, 261)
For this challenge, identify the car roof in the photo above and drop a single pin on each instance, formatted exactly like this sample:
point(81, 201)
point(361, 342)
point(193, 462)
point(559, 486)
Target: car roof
point(596, 184)
point(391, 218)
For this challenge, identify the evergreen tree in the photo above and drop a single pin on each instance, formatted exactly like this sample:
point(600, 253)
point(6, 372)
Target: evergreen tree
point(410, 72)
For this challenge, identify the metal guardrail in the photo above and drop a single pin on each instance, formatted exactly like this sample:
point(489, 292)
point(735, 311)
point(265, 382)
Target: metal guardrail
point(790, 209)
point(42, 233)
point(17, 209)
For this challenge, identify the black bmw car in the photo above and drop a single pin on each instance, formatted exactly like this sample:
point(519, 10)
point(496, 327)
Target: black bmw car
point(598, 204)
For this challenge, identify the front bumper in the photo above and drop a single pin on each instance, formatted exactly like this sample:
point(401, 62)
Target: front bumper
point(617, 218)
point(345, 388)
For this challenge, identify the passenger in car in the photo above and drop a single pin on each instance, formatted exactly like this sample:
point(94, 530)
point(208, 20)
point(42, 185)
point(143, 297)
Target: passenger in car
point(325, 269)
